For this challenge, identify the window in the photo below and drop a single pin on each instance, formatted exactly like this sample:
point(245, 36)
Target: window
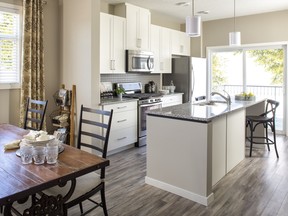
point(10, 45)
point(259, 69)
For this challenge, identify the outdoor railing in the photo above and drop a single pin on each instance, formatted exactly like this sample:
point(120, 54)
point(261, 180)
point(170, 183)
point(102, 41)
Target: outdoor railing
point(271, 92)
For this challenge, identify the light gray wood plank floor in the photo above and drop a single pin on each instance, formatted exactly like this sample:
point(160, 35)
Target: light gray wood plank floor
point(257, 186)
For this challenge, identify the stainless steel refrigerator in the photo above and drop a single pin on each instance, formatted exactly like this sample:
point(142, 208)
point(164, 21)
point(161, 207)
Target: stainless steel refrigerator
point(188, 75)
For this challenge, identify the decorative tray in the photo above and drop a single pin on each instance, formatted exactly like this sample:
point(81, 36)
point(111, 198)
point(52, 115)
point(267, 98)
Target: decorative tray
point(245, 98)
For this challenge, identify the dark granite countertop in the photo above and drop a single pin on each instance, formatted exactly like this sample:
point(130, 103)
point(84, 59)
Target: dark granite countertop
point(198, 113)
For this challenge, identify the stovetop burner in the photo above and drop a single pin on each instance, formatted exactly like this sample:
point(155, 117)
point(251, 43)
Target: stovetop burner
point(134, 89)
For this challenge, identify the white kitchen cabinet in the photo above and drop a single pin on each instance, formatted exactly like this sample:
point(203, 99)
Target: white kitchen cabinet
point(161, 47)
point(171, 100)
point(138, 22)
point(112, 44)
point(180, 43)
point(124, 124)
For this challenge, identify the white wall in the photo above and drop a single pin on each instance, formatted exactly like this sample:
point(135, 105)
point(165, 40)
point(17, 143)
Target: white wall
point(260, 28)
point(51, 55)
point(80, 42)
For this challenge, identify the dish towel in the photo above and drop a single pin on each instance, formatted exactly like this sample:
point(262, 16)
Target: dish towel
point(12, 145)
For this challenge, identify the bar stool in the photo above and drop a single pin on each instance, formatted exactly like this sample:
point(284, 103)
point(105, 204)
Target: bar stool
point(267, 119)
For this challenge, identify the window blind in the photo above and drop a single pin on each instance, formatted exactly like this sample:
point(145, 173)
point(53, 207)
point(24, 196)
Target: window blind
point(10, 42)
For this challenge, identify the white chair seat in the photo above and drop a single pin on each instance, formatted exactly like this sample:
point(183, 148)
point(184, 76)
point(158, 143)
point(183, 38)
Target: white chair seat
point(84, 184)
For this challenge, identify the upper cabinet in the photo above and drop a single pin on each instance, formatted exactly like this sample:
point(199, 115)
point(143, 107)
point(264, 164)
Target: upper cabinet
point(112, 44)
point(138, 22)
point(161, 47)
point(180, 43)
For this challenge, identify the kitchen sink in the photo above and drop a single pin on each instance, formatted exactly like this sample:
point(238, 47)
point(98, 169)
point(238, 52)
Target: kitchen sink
point(209, 103)
point(205, 103)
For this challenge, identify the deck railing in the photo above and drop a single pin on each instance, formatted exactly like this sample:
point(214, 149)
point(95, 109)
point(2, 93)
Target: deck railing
point(271, 92)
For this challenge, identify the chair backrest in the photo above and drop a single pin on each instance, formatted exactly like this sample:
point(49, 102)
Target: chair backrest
point(34, 114)
point(94, 129)
point(270, 108)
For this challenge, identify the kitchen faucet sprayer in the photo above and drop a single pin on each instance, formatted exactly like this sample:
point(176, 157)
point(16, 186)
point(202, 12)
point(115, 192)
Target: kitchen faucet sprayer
point(227, 99)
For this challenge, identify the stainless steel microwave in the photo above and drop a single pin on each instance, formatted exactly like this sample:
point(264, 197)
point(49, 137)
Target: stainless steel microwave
point(139, 61)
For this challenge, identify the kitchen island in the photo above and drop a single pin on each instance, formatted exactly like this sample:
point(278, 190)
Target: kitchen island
point(191, 147)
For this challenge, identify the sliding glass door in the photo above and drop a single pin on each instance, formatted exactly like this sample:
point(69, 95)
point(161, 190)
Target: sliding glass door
point(253, 70)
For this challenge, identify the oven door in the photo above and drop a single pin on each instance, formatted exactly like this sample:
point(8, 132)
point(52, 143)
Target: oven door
point(142, 120)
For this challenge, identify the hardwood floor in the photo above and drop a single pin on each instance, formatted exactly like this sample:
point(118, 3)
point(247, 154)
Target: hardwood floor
point(257, 186)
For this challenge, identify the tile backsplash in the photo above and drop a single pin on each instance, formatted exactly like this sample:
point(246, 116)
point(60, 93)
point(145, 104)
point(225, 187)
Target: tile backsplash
point(131, 77)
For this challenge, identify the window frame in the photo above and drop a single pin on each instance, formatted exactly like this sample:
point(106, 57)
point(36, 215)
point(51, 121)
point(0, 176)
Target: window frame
point(11, 8)
point(274, 45)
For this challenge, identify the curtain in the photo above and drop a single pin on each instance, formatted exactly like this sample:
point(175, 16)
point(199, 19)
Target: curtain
point(32, 83)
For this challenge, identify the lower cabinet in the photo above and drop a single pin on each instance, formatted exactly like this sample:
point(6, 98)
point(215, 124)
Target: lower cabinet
point(124, 124)
point(171, 100)
point(228, 143)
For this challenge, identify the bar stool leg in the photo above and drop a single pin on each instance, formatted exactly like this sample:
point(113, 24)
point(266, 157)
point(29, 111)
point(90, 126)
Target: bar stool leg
point(251, 137)
point(266, 136)
point(274, 137)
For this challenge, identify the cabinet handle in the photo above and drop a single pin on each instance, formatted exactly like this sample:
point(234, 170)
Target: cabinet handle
point(113, 64)
point(121, 107)
point(181, 48)
point(121, 120)
point(138, 42)
point(161, 66)
point(121, 138)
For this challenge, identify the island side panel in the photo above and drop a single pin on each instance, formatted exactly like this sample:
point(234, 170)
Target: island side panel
point(235, 138)
point(218, 149)
point(179, 154)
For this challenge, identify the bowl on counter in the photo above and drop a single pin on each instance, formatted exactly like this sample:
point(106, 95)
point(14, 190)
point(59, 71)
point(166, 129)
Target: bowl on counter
point(171, 89)
point(164, 91)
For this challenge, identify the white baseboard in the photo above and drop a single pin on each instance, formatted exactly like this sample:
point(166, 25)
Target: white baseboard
point(181, 192)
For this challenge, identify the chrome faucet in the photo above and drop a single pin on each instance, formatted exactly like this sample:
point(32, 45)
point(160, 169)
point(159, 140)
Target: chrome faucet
point(227, 99)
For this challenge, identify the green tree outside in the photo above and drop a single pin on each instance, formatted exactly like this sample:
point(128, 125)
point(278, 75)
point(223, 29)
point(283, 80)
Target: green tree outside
point(272, 60)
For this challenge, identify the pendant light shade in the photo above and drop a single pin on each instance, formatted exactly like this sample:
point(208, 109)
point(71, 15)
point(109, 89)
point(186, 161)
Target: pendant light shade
point(234, 37)
point(193, 24)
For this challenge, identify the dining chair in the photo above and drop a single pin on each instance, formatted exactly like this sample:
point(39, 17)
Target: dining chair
point(266, 119)
point(34, 114)
point(93, 134)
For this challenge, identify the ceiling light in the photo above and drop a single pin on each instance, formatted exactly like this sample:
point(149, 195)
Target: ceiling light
point(234, 37)
point(193, 23)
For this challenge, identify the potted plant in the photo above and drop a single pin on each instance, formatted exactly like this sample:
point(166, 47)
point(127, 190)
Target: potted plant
point(119, 91)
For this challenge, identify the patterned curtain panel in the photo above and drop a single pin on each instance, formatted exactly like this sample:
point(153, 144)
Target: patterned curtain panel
point(33, 55)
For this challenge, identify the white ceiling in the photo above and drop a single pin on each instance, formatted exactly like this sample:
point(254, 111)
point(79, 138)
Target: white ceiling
point(218, 9)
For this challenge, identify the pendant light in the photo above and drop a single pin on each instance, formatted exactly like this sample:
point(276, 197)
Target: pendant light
point(234, 37)
point(193, 23)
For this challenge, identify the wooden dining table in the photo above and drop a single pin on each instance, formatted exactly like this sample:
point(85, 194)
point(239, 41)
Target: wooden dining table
point(18, 181)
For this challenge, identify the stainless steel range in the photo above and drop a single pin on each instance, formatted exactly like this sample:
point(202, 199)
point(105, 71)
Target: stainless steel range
point(147, 101)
